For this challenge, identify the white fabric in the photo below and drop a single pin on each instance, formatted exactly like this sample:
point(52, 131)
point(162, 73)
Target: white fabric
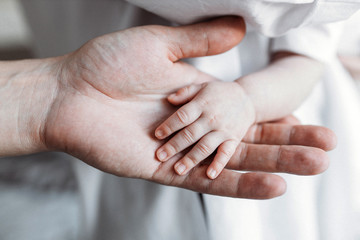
point(349, 45)
point(350, 39)
point(270, 17)
point(340, 189)
point(315, 41)
point(116, 208)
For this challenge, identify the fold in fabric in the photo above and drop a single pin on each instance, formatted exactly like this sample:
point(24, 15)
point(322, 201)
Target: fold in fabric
point(269, 17)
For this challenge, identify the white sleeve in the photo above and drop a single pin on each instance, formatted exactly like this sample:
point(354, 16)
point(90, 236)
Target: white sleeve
point(317, 41)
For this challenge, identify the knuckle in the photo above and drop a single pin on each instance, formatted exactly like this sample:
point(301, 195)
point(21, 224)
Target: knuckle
point(226, 152)
point(182, 115)
point(173, 146)
point(212, 120)
point(193, 159)
point(204, 149)
point(244, 152)
point(188, 135)
point(203, 102)
point(220, 164)
point(206, 42)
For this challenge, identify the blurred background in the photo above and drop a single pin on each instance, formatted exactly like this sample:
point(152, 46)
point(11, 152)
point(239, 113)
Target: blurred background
point(38, 197)
point(15, 40)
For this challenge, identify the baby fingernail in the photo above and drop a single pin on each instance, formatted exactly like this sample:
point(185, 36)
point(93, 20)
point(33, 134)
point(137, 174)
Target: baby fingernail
point(162, 155)
point(159, 134)
point(212, 174)
point(180, 168)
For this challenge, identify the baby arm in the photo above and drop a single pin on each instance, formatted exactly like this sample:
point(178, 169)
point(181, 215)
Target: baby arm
point(217, 115)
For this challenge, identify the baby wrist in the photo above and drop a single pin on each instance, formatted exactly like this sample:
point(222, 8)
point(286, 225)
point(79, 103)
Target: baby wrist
point(248, 103)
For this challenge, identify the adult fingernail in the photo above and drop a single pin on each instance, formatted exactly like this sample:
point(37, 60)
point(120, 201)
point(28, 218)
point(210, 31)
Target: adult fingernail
point(180, 168)
point(162, 155)
point(212, 174)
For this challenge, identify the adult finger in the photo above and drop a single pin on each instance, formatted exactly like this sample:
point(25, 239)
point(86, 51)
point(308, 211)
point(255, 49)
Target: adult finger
point(229, 183)
point(285, 134)
point(300, 160)
point(206, 38)
point(291, 119)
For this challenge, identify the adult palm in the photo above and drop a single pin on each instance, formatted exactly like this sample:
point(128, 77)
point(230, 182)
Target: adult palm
point(111, 95)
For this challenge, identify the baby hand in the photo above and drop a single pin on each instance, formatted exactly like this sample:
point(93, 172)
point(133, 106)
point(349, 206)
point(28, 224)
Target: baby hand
point(216, 115)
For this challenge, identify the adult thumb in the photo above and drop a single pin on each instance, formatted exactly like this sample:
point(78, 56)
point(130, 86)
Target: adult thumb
point(205, 38)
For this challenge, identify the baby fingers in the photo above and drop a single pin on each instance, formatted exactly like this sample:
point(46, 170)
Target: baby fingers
point(222, 157)
point(180, 119)
point(185, 94)
point(203, 149)
point(182, 140)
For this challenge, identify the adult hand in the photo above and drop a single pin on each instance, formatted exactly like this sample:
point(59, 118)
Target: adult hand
point(111, 94)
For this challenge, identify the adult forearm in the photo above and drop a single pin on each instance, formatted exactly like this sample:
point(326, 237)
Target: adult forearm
point(27, 90)
point(280, 88)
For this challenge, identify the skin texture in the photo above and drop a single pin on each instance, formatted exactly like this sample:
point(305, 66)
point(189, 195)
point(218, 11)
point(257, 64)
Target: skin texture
point(215, 116)
point(103, 102)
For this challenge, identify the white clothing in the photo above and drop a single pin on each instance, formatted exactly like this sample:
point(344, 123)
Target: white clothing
point(350, 38)
point(270, 17)
point(118, 208)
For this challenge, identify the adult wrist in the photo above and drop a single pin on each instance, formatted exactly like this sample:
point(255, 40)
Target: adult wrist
point(27, 90)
